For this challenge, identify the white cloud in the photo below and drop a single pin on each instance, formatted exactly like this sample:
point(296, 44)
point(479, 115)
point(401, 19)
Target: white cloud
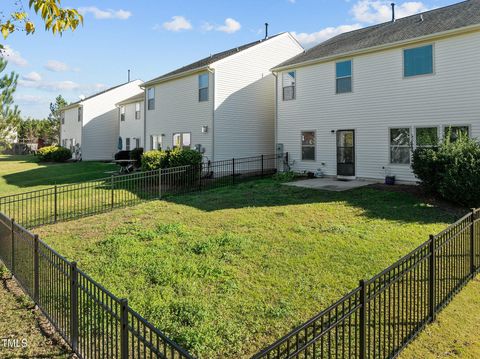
point(13, 56)
point(32, 76)
point(378, 11)
point(107, 14)
point(57, 66)
point(310, 39)
point(66, 85)
point(230, 26)
point(30, 99)
point(292, 1)
point(207, 26)
point(178, 23)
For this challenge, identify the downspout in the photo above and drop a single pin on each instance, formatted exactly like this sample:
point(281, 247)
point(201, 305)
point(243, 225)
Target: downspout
point(145, 120)
point(275, 126)
point(212, 71)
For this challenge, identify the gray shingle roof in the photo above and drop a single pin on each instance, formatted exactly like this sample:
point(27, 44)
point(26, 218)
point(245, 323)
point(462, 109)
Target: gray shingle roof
point(207, 60)
point(434, 21)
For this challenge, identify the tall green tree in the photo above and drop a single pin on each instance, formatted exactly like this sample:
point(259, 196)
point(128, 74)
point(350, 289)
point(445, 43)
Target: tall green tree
point(9, 113)
point(54, 118)
point(56, 18)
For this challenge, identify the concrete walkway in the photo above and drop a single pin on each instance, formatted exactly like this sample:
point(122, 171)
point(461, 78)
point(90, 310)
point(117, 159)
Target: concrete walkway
point(329, 184)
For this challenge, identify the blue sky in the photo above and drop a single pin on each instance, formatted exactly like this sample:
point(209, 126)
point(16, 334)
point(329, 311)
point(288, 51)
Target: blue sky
point(153, 37)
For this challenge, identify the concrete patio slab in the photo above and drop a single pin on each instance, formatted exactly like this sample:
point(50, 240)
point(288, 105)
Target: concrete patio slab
point(330, 184)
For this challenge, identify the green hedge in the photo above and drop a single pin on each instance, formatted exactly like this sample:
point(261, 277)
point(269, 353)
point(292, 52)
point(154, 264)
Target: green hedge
point(152, 160)
point(54, 154)
point(451, 169)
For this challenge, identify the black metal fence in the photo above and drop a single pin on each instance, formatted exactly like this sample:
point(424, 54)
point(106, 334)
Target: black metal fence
point(380, 317)
point(72, 201)
point(94, 322)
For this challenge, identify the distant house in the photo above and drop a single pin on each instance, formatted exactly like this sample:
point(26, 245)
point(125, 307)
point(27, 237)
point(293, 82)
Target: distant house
point(131, 122)
point(357, 104)
point(90, 127)
point(223, 105)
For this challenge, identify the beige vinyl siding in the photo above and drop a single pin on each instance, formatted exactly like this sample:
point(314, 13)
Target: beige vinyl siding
point(382, 99)
point(131, 127)
point(245, 98)
point(177, 110)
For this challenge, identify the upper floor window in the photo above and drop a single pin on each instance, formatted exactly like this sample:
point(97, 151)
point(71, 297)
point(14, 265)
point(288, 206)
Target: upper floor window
point(182, 140)
point(426, 136)
point(137, 111)
point(62, 118)
point(151, 98)
point(400, 145)
point(79, 114)
point(343, 71)
point(203, 87)
point(122, 113)
point(289, 83)
point(455, 132)
point(418, 61)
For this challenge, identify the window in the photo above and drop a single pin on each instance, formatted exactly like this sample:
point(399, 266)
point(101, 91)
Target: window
point(203, 87)
point(137, 111)
point(79, 114)
point(400, 145)
point(456, 131)
point(182, 140)
point(122, 113)
point(343, 72)
point(127, 144)
point(426, 136)
point(151, 98)
point(308, 146)
point(289, 84)
point(418, 61)
point(156, 142)
point(137, 143)
point(62, 118)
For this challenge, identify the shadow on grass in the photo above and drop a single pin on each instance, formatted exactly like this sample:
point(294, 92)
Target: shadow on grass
point(376, 203)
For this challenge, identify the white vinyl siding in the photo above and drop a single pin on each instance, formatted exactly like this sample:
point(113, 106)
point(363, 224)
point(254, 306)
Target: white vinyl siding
point(450, 98)
point(132, 127)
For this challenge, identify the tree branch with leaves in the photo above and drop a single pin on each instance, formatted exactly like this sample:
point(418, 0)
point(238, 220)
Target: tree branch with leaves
point(56, 18)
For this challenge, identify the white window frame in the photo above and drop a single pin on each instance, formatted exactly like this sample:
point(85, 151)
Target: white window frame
point(203, 88)
point(418, 76)
point(137, 142)
point(151, 101)
point(446, 127)
point(314, 145)
point(128, 144)
point(181, 139)
point(159, 141)
point(122, 113)
point(344, 77)
point(426, 126)
point(138, 112)
point(403, 146)
point(294, 86)
point(79, 113)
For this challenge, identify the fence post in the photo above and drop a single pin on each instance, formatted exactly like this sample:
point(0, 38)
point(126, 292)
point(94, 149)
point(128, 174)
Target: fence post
point(233, 170)
point(159, 183)
point(472, 243)
point(55, 209)
point(262, 165)
point(286, 161)
point(200, 170)
point(35, 269)
point(112, 190)
point(13, 246)
point(74, 305)
point(432, 279)
point(124, 328)
point(363, 319)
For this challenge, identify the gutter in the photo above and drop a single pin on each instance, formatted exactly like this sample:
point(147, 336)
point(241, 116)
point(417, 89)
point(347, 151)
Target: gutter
point(212, 71)
point(176, 76)
point(391, 45)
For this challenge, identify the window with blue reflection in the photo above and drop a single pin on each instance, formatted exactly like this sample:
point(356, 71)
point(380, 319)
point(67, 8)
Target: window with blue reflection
point(418, 61)
point(344, 76)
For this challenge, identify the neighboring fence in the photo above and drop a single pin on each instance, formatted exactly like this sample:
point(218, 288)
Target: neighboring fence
point(380, 317)
point(94, 322)
point(71, 201)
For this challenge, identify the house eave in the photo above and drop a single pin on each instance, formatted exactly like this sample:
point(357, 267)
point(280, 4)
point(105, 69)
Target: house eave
point(175, 77)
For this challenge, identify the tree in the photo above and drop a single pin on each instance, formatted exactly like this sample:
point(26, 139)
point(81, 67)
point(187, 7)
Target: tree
point(54, 118)
point(56, 18)
point(9, 113)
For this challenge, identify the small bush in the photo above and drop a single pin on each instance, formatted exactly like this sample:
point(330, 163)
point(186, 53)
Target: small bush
point(153, 160)
point(136, 154)
point(54, 154)
point(452, 170)
point(184, 157)
point(288, 176)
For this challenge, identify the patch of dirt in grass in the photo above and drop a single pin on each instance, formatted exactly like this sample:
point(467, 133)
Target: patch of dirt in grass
point(24, 331)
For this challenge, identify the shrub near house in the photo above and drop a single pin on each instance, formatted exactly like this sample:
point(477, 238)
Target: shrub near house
point(152, 160)
point(54, 154)
point(451, 169)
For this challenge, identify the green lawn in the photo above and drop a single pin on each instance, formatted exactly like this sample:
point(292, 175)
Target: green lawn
point(24, 173)
point(227, 272)
point(455, 334)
